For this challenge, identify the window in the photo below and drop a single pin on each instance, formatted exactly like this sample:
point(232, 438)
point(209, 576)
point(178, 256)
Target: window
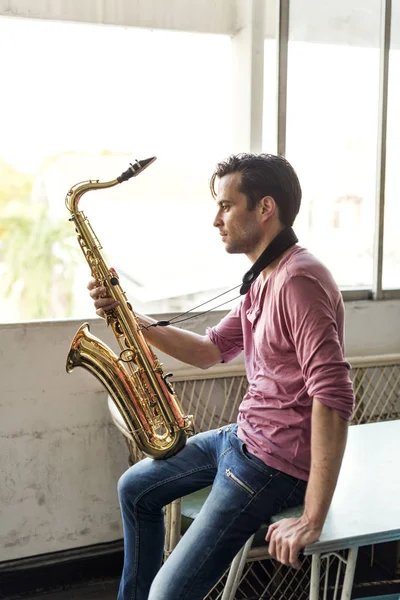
point(332, 117)
point(82, 102)
point(391, 246)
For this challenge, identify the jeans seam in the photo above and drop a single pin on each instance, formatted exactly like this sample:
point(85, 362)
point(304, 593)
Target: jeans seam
point(291, 494)
point(136, 566)
point(174, 478)
point(224, 453)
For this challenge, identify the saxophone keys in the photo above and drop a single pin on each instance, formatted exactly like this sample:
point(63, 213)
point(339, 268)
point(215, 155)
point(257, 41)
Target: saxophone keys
point(157, 366)
point(168, 383)
point(128, 355)
point(110, 318)
point(114, 276)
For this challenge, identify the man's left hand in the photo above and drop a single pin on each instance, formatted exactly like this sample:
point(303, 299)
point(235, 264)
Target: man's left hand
point(288, 537)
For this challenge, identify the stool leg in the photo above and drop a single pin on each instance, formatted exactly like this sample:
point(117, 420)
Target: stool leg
point(236, 570)
point(172, 526)
point(175, 522)
point(167, 541)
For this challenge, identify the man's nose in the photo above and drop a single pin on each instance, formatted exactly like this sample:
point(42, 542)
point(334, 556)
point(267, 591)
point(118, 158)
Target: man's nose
point(217, 221)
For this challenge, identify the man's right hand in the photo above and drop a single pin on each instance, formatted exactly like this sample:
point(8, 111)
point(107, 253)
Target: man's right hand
point(186, 346)
point(102, 302)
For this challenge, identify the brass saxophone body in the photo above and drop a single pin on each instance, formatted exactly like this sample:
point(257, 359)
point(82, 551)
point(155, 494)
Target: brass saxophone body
point(135, 381)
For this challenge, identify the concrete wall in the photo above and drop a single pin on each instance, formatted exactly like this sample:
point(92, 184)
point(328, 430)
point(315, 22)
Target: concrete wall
point(60, 454)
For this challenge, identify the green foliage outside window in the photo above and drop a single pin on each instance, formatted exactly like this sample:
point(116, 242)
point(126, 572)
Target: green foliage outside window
point(37, 252)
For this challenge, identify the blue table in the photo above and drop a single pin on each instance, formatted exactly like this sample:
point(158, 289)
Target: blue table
point(366, 505)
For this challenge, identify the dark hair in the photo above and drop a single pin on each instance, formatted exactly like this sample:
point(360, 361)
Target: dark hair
point(264, 175)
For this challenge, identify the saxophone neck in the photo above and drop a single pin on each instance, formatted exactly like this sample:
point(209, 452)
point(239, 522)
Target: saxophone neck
point(76, 192)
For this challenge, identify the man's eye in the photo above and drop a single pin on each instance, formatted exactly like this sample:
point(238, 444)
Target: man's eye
point(225, 207)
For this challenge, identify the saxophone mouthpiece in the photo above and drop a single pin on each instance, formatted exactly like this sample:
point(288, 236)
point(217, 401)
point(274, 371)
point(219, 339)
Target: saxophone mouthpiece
point(135, 168)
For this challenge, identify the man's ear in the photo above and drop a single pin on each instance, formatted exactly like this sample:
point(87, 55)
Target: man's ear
point(267, 207)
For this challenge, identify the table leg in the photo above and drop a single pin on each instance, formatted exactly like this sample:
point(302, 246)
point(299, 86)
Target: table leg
point(315, 576)
point(349, 575)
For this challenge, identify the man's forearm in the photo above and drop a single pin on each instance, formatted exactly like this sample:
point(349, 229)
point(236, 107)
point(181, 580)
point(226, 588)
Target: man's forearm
point(186, 346)
point(328, 442)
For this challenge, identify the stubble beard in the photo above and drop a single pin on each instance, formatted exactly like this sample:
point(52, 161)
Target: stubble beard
point(244, 245)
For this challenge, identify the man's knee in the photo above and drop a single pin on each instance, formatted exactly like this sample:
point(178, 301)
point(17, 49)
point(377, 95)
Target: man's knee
point(124, 487)
point(132, 483)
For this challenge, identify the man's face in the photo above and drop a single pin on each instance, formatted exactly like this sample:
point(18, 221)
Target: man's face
point(238, 226)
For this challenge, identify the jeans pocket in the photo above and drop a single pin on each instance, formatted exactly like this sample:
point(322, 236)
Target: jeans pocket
point(256, 461)
point(250, 459)
point(239, 481)
point(243, 474)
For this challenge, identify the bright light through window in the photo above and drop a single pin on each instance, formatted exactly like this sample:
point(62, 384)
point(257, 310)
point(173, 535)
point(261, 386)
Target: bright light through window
point(332, 118)
point(391, 246)
point(83, 101)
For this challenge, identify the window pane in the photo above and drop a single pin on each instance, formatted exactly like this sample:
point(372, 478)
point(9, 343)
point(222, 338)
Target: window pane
point(333, 74)
point(82, 103)
point(391, 247)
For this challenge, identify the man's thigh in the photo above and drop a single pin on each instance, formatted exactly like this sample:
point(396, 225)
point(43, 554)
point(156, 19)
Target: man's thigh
point(155, 483)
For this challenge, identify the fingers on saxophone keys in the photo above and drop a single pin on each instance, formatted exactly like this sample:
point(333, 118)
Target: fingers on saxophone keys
point(93, 283)
point(106, 311)
point(98, 292)
point(105, 304)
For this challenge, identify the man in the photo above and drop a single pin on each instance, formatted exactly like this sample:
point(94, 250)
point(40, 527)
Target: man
point(288, 443)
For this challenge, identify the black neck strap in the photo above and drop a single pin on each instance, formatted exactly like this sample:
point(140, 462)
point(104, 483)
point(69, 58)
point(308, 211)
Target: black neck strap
point(278, 246)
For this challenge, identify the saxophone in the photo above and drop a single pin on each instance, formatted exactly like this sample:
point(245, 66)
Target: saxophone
point(144, 398)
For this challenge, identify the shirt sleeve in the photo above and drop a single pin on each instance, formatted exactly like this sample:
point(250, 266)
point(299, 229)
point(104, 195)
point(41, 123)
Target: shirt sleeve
point(315, 322)
point(228, 334)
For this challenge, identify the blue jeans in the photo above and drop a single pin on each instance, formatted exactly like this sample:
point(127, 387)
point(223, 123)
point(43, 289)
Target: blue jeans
point(245, 494)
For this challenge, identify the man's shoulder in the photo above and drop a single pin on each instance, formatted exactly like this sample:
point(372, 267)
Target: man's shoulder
point(302, 265)
point(303, 262)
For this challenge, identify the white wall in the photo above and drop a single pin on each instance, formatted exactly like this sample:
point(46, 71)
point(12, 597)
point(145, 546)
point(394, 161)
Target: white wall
point(334, 21)
point(208, 16)
point(61, 456)
point(372, 328)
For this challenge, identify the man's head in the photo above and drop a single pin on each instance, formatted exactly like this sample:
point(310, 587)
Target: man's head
point(258, 195)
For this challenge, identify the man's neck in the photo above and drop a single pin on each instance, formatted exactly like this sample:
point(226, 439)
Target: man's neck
point(259, 249)
point(267, 272)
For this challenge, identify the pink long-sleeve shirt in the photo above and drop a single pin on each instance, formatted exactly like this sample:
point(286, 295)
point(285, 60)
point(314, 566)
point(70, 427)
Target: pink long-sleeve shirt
point(291, 328)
